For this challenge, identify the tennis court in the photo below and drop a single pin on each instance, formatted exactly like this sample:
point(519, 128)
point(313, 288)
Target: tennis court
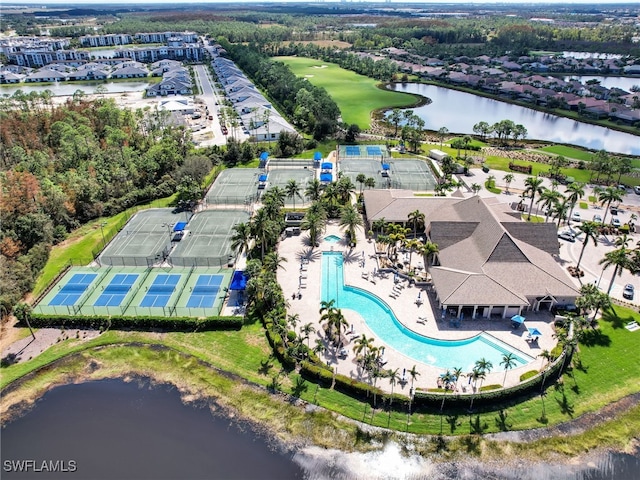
point(411, 174)
point(235, 186)
point(205, 291)
point(144, 240)
point(116, 291)
point(362, 151)
point(71, 292)
point(280, 177)
point(371, 168)
point(209, 240)
point(161, 290)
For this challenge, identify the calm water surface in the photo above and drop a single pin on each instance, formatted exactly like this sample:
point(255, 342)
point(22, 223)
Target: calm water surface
point(117, 430)
point(69, 88)
point(460, 111)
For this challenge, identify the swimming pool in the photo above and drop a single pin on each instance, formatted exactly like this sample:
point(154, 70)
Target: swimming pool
point(332, 238)
point(381, 320)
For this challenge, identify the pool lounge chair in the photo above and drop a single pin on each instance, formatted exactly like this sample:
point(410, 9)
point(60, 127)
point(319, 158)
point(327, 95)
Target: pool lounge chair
point(422, 320)
point(365, 275)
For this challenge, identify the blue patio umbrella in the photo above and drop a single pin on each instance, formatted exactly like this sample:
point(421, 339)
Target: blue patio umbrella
point(518, 319)
point(534, 332)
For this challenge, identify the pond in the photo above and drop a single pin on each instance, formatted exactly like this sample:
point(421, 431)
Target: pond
point(69, 88)
point(114, 429)
point(460, 111)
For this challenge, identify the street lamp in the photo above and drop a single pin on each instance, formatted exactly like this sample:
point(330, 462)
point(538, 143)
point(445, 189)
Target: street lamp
point(104, 243)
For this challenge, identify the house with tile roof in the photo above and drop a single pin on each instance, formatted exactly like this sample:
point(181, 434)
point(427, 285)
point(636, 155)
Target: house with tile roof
point(490, 263)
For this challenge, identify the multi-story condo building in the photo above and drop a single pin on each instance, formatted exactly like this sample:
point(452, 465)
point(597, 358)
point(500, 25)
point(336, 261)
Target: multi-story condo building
point(109, 40)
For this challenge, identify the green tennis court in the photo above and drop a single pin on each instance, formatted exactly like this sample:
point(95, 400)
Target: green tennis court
point(280, 177)
point(362, 151)
point(352, 167)
point(234, 186)
point(411, 174)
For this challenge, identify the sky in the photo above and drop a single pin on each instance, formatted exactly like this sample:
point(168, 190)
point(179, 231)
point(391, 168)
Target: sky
point(395, 2)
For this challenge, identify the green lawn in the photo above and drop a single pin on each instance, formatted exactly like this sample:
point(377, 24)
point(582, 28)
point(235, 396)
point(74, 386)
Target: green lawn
point(569, 152)
point(356, 95)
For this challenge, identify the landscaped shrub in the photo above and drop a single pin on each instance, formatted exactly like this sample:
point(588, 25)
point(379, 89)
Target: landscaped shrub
point(527, 375)
point(172, 324)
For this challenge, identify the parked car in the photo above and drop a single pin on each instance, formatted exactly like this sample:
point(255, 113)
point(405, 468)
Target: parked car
point(597, 218)
point(616, 222)
point(637, 189)
point(576, 217)
point(568, 236)
point(628, 291)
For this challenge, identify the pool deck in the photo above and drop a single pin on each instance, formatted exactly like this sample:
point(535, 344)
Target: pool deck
point(405, 308)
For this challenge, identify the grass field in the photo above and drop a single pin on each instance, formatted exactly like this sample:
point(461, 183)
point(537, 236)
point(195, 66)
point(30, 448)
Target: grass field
point(569, 152)
point(356, 95)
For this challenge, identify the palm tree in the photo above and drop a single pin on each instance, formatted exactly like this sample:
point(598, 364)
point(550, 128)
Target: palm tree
point(483, 366)
point(533, 187)
point(607, 197)
point(273, 261)
point(314, 222)
point(508, 361)
point(350, 220)
point(261, 228)
point(591, 231)
point(344, 189)
point(508, 178)
point(428, 250)
point(362, 345)
point(361, 178)
point(560, 210)
point(307, 329)
point(447, 378)
point(457, 373)
point(314, 190)
point(549, 199)
point(394, 118)
point(576, 192)
point(416, 218)
point(412, 245)
point(413, 373)
point(378, 225)
point(618, 258)
point(292, 190)
point(241, 237)
point(474, 376)
point(442, 132)
point(370, 182)
point(475, 188)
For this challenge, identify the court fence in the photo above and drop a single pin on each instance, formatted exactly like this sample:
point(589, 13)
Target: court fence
point(221, 261)
point(289, 163)
point(130, 261)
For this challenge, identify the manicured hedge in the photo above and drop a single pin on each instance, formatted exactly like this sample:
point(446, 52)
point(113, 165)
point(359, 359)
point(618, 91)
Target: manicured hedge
point(173, 324)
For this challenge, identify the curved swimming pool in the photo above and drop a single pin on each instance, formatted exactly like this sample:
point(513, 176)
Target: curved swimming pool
point(446, 354)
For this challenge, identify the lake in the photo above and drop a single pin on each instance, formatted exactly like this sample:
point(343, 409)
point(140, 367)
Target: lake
point(114, 429)
point(460, 111)
point(69, 88)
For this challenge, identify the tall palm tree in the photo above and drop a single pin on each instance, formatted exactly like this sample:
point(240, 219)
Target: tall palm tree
point(428, 250)
point(241, 237)
point(344, 189)
point(575, 192)
point(378, 225)
point(361, 178)
point(314, 190)
point(508, 361)
point(370, 182)
point(395, 117)
point(307, 329)
point(412, 245)
point(618, 258)
point(416, 218)
point(261, 229)
point(457, 373)
point(393, 377)
point(591, 232)
point(607, 197)
point(483, 366)
point(273, 261)
point(549, 199)
point(292, 190)
point(474, 376)
point(314, 221)
point(350, 220)
point(508, 178)
point(447, 378)
point(533, 187)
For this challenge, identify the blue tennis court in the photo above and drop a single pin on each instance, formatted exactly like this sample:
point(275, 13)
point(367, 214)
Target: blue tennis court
point(161, 290)
point(374, 151)
point(205, 291)
point(73, 290)
point(352, 150)
point(117, 290)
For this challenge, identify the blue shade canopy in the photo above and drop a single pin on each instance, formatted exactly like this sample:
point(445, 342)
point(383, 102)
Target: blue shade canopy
point(518, 318)
point(317, 156)
point(534, 332)
point(180, 226)
point(262, 178)
point(326, 177)
point(238, 281)
point(385, 166)
point(327, 166)
point(264, 155)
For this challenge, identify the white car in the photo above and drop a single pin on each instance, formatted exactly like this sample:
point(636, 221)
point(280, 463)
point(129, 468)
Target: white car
point(597, 218)
point(616, 222)
point(576, 217)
